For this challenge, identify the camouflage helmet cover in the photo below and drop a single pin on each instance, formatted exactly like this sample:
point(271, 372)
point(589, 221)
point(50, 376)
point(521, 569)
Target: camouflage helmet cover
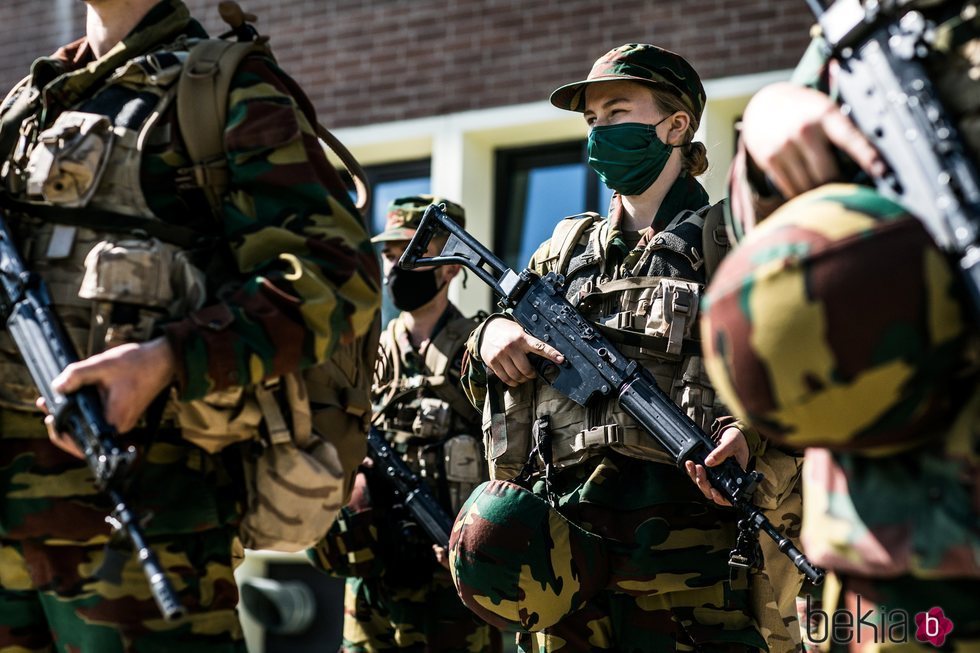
point(517, 562)
point(644, 63)
point(836, 322)
point(405, 215)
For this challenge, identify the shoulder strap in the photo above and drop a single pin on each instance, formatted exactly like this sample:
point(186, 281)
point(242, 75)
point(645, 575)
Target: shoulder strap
point(202, 109)
point(566, 236)
point(447, 342)
point(202, 112)
point(439, 356)
point(715, 244)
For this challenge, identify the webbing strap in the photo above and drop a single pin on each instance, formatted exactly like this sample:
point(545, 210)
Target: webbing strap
point(202, 110)
point(566, 236)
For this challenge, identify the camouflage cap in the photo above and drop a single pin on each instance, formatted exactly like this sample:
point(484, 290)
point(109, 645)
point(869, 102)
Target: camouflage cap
point(836, 322)
point(517, 562)
point(405, 215)
point(639, 62)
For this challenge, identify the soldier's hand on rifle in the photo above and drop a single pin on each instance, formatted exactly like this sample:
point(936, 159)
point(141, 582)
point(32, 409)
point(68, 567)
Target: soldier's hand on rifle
point(442, 556)
point(504, 348)
point(791, 132)
point(128, 377)
point(731, 444)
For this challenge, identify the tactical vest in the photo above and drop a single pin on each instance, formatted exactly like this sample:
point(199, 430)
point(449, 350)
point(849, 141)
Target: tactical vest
point(426, 416)
point(651, 319)
point(109, 285)
point(75, 194)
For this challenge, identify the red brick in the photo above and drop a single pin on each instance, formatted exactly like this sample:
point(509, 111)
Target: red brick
point(367, 61)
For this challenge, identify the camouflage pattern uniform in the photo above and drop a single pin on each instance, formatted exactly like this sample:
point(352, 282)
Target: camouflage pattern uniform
point(397, 596)
point(650, 571)
point(877, 375)
point(299, 278)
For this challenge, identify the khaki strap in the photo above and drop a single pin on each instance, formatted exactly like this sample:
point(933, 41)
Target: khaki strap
point(627, 283)
point(357, 173)
point(202, 110)
point(607, 435)
point(278, 429)
point(300, 410)
point(681, 306)
point(566, 236)
point(439, 354)
point(202, 113)
point(714, 237)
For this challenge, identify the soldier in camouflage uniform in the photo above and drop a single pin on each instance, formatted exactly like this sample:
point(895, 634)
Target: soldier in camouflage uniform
point(836, 324)
point(633, 557)
point(93, 163)
point(398, 597)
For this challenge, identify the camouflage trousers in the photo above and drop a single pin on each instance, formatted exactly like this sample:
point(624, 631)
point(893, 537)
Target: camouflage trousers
point(774, 588)
point(50, 599)
point(670, 586)
point(52, 545)
point(895, 615)
point(429, 618)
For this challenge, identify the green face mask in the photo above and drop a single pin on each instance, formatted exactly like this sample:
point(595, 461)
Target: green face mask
point(628, 157)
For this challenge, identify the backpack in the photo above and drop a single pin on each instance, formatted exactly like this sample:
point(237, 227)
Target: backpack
point(304, 433)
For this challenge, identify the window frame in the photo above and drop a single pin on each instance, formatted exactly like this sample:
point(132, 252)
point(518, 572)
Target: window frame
point(511, 160)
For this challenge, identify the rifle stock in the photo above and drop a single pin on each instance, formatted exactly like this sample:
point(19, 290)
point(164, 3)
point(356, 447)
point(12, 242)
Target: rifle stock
point(594, 368)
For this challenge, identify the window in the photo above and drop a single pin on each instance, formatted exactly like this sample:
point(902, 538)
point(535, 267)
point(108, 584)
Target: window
point(536, 188)
point(389, 182)
point(394, 180)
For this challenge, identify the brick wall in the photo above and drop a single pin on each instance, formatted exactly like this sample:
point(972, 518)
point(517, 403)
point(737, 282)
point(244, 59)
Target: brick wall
point(367, 61)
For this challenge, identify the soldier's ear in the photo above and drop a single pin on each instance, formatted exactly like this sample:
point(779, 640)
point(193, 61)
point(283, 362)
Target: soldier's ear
point(678, 123)
point(449, 272)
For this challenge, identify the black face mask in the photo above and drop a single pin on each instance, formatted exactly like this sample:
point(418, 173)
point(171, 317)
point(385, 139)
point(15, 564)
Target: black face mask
point(411, 289)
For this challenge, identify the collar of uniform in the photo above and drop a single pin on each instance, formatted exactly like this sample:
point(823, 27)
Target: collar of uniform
point(405, 342)
point(685, 194)
point(164, 22)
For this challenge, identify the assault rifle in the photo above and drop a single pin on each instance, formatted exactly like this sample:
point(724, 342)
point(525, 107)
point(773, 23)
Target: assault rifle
point(413, 491)
point(40, 338)
point(594, 368)
point(884, 87)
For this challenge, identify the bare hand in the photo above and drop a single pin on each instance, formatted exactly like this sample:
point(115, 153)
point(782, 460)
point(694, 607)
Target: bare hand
point(128, 377)
point(790, 132)
point(731, 444)
point(504, 347)
point(442, 556)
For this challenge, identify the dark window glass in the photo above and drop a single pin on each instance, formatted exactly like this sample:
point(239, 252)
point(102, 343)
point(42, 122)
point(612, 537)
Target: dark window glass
point(537, 187)
point(394, 180)
point(388, 182)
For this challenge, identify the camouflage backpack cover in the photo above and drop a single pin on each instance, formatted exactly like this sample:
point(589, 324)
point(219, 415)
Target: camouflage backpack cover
point(304, 432)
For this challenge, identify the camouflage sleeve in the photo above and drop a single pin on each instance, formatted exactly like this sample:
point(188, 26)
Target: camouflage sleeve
point(755, 441)
point(309, 277)
point(473, 375)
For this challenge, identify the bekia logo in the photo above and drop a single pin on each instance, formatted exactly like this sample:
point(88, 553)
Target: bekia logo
point(877, 624)
point(932, 627)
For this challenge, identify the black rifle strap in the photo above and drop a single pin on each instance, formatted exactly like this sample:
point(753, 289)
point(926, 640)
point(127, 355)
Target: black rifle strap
point(183, 237)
